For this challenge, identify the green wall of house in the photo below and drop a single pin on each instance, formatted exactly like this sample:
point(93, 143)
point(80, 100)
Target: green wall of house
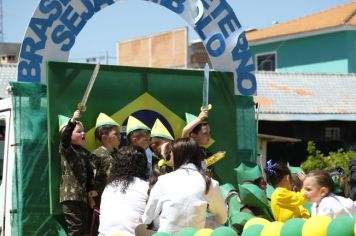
point(327, 53)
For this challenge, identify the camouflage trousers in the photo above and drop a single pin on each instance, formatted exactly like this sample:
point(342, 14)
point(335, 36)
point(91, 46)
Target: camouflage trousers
point(76, 217)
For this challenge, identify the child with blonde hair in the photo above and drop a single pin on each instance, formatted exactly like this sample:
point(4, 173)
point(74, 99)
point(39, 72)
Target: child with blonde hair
point(77, 180)
point(318, 189)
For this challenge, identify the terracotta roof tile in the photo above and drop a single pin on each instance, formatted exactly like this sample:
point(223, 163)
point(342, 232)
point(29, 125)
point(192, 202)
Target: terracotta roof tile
point(318, 96)
point(343, 15)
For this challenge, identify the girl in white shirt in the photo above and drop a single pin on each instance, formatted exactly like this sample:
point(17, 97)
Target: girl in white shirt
point(318, 187)
point(180, 198)
point(124, 198)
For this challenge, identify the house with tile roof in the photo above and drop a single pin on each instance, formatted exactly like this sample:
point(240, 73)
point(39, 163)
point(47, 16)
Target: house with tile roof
point(322, 42)
point(308, 93)
point(305, 106)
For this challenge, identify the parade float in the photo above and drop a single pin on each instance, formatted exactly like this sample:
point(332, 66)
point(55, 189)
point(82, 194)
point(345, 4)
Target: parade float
point(48, 85)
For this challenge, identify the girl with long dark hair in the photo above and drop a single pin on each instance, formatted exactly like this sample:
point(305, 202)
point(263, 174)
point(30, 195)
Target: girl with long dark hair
point(124, 198)
point(180, 198)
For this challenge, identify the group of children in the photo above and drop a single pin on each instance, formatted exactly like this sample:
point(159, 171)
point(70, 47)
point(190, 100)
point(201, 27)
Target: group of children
point(317, 188)
point(163, 183)
point(116, 181)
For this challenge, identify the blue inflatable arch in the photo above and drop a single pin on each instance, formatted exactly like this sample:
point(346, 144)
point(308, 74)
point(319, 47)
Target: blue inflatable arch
point(55, 24)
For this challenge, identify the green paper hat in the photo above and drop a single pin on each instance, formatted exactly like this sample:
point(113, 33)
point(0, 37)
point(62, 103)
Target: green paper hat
point(252, 195)
point(226, 189)
point(63, 121)
point(246, 173)
point(190, 117)
point(160, 131)
point(134, 124)
point(295, 169)
point(104, 119)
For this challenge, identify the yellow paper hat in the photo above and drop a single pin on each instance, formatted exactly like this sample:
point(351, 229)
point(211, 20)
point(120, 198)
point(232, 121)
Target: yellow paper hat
point(104, 119)
point(134, 124)
point(62, 121)
point(160, 131)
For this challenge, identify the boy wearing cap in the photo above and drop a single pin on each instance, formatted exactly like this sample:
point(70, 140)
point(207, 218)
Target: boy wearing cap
point(77, 183)
point(159, 136)
point(137, 133)
point(108, 134)
point(198, 129)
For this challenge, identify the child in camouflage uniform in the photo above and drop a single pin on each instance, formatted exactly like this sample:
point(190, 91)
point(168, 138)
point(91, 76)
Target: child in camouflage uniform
point(77, 183)
point(107, 132)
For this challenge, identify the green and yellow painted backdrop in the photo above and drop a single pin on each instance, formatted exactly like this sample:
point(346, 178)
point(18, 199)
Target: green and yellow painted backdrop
point(147, 94)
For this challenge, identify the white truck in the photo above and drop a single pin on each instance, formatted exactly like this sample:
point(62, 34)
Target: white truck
point(7, 155)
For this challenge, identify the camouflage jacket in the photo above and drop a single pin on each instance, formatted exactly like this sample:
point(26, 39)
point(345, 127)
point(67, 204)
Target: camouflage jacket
point(102, 164)
point(77, 172)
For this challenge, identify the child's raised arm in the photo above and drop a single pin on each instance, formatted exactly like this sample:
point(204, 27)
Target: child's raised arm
point(68, 130)
point(189, 127)
point(76, 116)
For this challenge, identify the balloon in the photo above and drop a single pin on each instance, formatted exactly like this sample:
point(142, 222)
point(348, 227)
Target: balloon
point(293, 227)
point(253, 230)
point(203, 232)
point(316, 225)
point(190, 231)
point(161, 234)
point(224, 231)
point(343, 225)
point(272, 229)
point(255, 221)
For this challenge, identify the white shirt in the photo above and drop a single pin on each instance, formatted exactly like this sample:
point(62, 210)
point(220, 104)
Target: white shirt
point(121, 213)
point(179, 200)
point(334, 206)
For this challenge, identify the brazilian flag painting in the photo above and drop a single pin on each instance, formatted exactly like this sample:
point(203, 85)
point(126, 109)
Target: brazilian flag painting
point(147, 94)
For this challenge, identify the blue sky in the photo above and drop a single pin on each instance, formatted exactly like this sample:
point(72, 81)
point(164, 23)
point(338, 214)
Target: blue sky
point(135, 18)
